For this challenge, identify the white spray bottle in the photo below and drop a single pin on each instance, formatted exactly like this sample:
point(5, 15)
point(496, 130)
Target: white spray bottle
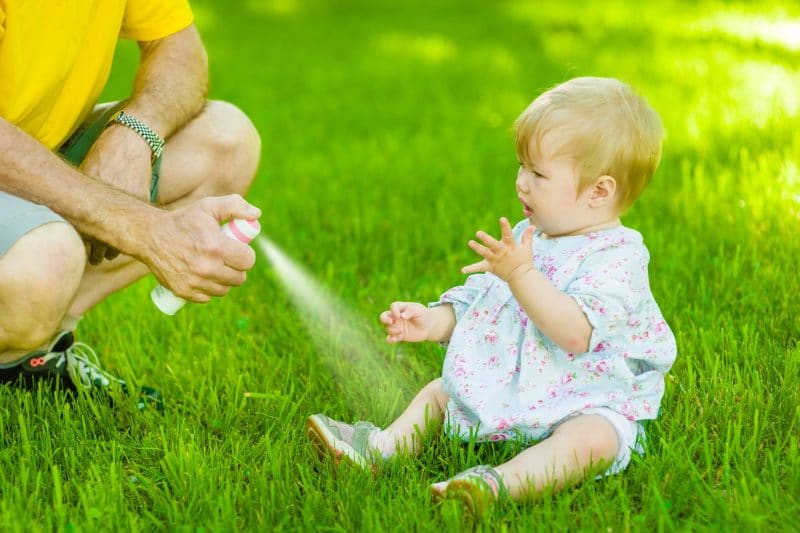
point(239, 229)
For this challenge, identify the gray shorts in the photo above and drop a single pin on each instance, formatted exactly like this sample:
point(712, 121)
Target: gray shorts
point(18, 217)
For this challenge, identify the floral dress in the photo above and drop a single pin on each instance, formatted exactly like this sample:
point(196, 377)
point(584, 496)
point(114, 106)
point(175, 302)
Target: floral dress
point(505, 379)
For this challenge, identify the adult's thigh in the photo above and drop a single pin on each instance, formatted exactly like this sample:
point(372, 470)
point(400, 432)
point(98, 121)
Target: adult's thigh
point(214, 154)
point(41, 266)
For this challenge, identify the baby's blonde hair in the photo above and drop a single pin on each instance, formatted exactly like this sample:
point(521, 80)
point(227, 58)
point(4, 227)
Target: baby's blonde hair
point(603, 125)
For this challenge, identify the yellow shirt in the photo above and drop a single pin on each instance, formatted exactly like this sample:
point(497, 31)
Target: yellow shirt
point(55, 55)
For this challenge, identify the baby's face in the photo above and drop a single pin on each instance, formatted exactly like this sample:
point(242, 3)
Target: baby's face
point(548, 190)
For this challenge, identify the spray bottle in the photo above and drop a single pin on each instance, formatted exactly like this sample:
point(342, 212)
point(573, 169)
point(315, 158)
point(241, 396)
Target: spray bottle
point(239, 229)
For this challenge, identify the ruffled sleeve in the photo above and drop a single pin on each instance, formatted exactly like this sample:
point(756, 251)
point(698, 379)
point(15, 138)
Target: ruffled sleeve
point(609, 286)
point(461, 297)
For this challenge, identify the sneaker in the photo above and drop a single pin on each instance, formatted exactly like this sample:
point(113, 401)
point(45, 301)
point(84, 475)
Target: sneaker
point(340, 440)
point(74, 365)
point(478, 488)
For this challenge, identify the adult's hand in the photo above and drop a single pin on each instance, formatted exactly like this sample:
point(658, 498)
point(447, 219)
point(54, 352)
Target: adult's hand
point(188, 253)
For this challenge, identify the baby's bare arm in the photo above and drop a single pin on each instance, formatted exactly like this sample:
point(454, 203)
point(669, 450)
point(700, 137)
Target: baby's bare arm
point(555, 313)
point(443, 322)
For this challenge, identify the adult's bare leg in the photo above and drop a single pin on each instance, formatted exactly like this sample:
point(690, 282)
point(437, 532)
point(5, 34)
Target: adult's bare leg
point(45, 282)
point(39, 277)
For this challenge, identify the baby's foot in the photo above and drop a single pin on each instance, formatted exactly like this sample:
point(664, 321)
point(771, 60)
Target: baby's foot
point(342, 441)
point(478, 488)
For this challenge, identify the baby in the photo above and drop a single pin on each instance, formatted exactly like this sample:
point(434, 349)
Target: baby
point(556, 339)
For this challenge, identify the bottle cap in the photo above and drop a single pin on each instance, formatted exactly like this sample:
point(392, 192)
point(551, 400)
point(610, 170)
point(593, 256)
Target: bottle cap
point(242, 230)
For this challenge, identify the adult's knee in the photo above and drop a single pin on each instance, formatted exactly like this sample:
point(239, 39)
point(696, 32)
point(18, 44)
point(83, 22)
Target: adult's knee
point(235, 144)
point(39, 276)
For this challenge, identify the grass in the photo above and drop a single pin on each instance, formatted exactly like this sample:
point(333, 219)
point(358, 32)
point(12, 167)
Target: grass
point(386, 143)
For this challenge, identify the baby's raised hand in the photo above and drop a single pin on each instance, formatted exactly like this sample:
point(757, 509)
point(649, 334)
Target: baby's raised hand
point(504, 258)
point(406, 321)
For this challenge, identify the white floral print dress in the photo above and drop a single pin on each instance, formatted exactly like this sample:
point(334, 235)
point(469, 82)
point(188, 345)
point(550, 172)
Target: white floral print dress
point(505, 379)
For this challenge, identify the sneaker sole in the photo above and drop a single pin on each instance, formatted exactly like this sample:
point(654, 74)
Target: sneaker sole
point(327, 444)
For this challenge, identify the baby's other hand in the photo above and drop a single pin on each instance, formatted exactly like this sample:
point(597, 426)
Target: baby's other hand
point(504, 258)
point(406, 321)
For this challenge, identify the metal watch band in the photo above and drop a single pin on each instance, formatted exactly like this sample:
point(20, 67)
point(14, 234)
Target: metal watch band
point(155, 142)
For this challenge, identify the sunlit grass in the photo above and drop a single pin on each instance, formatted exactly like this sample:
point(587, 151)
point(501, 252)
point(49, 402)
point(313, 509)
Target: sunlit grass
point(387, 141)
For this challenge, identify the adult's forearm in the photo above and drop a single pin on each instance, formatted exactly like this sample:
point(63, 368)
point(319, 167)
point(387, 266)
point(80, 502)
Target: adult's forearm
point(555, 313)
point(31, 171)
point(171, 83)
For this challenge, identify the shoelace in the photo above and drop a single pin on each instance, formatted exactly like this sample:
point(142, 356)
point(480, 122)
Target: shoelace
point(83, 367)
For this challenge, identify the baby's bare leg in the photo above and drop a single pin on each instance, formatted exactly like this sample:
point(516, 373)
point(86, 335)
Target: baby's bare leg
point(426, 409)
point(579, 448)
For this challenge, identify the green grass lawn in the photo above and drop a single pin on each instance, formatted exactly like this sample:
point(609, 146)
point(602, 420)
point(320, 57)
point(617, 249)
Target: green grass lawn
point(387, 142)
